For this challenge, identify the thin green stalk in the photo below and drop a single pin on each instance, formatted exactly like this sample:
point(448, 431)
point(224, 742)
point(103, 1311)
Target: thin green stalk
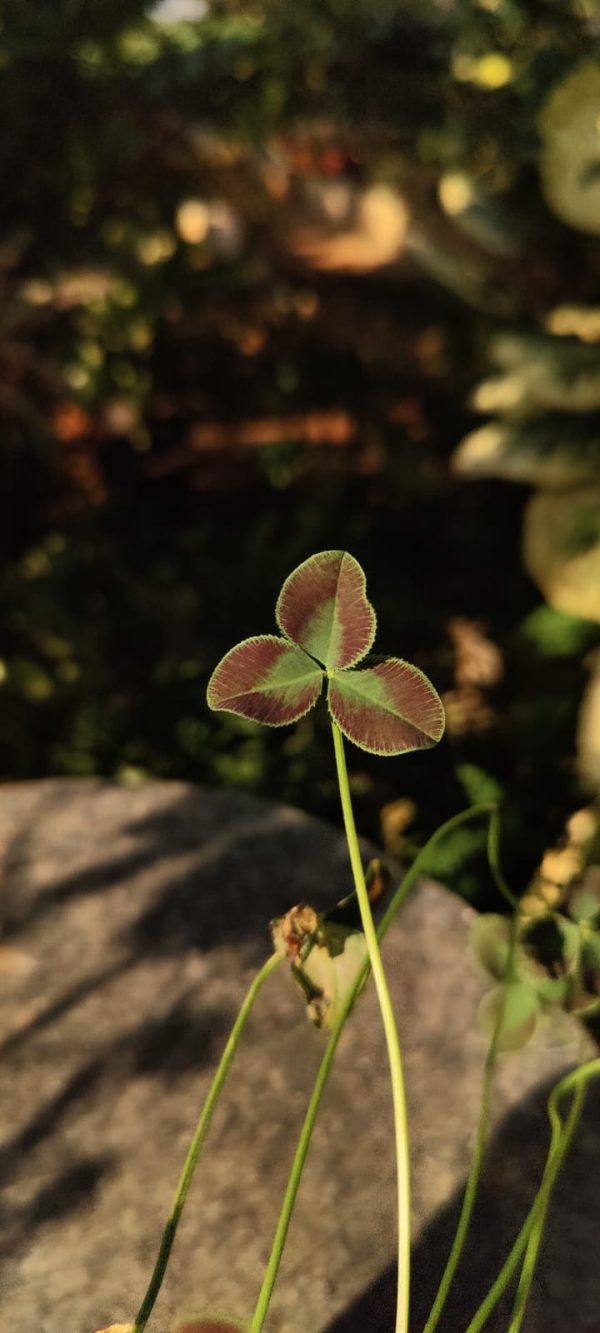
point(560, 1142)
point(537, 1228)
point(493, 849)
point(419, 864)
point(397, 900)
point(291, 1191)
point(472, 1185)
point(535, 1237)
point(391, 1037)
point(200, 1133)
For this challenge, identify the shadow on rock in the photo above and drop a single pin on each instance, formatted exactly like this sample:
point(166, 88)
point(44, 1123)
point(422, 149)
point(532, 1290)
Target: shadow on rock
point(566, 1292)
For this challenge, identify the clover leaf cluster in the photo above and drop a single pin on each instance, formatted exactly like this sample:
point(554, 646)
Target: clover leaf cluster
point(327, 627)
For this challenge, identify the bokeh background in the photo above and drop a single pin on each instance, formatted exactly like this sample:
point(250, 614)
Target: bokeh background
point(278, 278)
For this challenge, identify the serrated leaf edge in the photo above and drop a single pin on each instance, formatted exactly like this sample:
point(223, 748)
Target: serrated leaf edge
point(387, 753)
point(262, 638)
point(286, 636)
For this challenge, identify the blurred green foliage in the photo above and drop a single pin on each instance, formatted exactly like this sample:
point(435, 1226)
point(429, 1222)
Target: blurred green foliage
point(251, 258)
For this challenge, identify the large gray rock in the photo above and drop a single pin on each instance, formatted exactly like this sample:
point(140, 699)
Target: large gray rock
point(132, 922)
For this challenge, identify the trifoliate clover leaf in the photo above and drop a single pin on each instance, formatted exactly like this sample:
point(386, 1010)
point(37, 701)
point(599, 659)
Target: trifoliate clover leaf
point(329, 626)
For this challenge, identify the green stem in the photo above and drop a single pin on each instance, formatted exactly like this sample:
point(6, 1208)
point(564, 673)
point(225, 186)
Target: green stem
point(289, 1198)
point(493, 848)
point(466, 1211)
point(300, 1154)
point(391, 1037)
point(559, 1145)
point(535, 1237)
point(200, 1133)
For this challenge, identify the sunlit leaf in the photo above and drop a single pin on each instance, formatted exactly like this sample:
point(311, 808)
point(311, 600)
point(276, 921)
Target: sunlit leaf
point(584, 906)
point(329, 971)
point(326, 955)
point(387, 709)
point(265, 679)
point(323, 607)
point(561, 548)
point(490, 942)
point(568, 162)
point(520, 1008)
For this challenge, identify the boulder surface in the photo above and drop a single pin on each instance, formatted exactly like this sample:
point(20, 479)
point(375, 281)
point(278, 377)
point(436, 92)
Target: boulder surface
point(132, 921)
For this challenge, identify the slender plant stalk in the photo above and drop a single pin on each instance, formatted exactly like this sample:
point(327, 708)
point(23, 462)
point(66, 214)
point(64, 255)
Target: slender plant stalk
point(474, 1176)
point(200, 1133)
point(396, 902)
point(223, 1070)
point(391, 1037)
point(291, 1191)
point(493, 849)
point(560, 1142)
point(535, 1237)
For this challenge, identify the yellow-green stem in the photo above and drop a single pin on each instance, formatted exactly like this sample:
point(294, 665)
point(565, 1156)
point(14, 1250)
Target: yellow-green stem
point(391, 1036)
point(560, 1142)
point(471, 1187)
point(537, 1230)
point(200, 1133)
point(399, 897)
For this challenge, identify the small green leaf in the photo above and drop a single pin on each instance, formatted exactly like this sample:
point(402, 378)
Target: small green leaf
point(553, 990)
point(389, 708)
point(265, 679)
point(584, 906)
point(329, 972)
point(323, 607)
point(520, 1009)
point(490, 942)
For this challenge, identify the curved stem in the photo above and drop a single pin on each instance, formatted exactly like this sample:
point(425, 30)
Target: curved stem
point(535, 1237)
point(200, 1133)
point(397, 900)
point(493, 849)
point(419, 864)
point(537, 1228)
point(560, 1141)
point(391, 1037)
point(466, 1211)
point(297, 1168)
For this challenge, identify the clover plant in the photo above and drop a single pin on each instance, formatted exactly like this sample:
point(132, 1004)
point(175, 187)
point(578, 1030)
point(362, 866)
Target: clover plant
point(387, 706)
point(328, 626)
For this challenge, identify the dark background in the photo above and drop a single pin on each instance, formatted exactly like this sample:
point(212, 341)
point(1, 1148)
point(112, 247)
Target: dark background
point(255, 259)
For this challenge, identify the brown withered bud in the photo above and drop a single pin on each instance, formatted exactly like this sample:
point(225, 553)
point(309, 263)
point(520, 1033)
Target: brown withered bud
point(290, 932)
